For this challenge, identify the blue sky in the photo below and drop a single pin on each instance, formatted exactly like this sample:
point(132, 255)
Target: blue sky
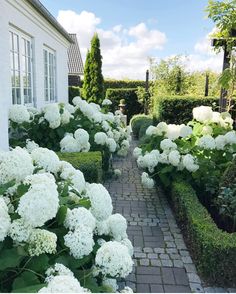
point(142, 29)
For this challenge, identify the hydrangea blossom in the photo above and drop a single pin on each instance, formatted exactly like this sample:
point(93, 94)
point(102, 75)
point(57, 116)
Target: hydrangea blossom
point(5, 220)
point(15, 165)
point(118, 226)
point(102, 228)
point(40, 198)
point(137, 152)
point(111, 284)
point(220, 142)
point(79, 216)
point(106, 102)
point(20, 231)
point(203, 113)
point(75, 176)
point(129, 245)
point(151, 131)
point(63, 284)
point(52, 115)
point(111, 143)
point(101, 204)
point(42, 241)
point(31, 145)
point(114, 260)
point(57, 270)
point(185, 131)
point(47, 159)
point(161, 128)
point(80, 241)
point(173, 131)
point(100, 138)
point(206, 142)
point(147, 181)
point(189, 163)
point(69, 144)
point(230, 137)
point(167, 144)
point(19, 114)
point(174, 157)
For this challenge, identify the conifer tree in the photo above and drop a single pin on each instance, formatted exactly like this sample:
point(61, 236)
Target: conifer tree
point(86, 91)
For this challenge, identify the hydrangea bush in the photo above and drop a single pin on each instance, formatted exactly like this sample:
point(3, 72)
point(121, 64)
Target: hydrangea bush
point(57, 232)
point(198, 151)
point(70, 128)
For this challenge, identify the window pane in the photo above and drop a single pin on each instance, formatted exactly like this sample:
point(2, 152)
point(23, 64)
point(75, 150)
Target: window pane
point(18, 98)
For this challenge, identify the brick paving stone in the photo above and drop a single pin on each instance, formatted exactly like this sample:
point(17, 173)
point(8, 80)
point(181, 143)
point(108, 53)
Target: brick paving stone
point(162, 262)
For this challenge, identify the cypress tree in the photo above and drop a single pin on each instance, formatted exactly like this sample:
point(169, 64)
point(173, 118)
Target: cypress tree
point(95, 72)
point(87, 79)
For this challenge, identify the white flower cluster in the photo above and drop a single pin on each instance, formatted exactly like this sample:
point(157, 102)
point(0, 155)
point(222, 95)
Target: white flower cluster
point(114, 260)
point(147, 181)
point(220, 142)
point(5, 220)
point(19, 114)
point(57, 114)
point(206, 115)
point(42, 241)
point(106, 102)
point(77, 142)
point(46, 159)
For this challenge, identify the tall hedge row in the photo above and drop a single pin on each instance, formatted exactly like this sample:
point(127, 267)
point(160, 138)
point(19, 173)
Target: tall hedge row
point(178, 109)
point(130, 97)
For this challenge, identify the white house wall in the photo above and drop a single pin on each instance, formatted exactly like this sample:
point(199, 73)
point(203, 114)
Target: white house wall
point(19, 14)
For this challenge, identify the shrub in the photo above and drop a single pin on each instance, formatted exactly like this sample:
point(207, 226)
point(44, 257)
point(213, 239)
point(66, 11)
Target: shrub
point(137, 121)
point(129, 95)
point(90, 163)
point(178, 109)
point(146, 123)
point(73, 92)
point(229, 176)
point(125, 84)
point(214, 251)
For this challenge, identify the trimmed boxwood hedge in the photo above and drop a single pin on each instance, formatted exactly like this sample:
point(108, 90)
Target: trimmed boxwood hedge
point(129, 95)
point(90, 163)
point(137, 122)
point(214, 250)
point(178, 109)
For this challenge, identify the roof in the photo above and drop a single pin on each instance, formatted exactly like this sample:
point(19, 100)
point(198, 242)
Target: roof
point(38, 6)
point(75, 62)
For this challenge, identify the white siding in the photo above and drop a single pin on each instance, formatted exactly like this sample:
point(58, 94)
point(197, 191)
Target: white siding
point(19, 14)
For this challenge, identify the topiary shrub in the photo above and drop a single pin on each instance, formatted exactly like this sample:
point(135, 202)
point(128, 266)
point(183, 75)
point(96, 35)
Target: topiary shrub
point(90, 163)
point(137, 121)
point(146, 123)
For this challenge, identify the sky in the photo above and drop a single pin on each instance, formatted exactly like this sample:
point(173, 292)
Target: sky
point(133, 31)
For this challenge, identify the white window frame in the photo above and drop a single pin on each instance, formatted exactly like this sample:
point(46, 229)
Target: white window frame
point(28, 61)
point(50, 75)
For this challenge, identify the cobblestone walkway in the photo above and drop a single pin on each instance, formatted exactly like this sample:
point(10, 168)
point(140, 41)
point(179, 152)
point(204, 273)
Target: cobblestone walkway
point(162, 261)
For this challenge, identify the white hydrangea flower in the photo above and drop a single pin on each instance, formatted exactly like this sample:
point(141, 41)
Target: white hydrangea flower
point(147, 181)
point(63, 284)
point(82, 136)
point(102, 228)
point(106, 127)
point(226, 120)
point(106, 102)
point(47, 159)
point(117, 172)
point(42, 241)
point(111, 143)
point(174, 157)
point(137, 152)
point(79, 216)
point(188, 162)
point(75, 176)
point(203, 114)
point(42, 178)
point(207, 130)
point(230, 137)
point(80, 241)
point(70, 108)
point(118, 226)
point(20, 231)
point(15, 165)
point(151, 131)
point(220, 142)
point(52, 115)
point(129, 245)
point(162, 128)
point(100, 138)
point(5, 220)
point(215, 117)
point(127, 290)
point(69, 144)
point(19, 114)
point(173, 131)
point(185, 131)
point(65, 117)
point(163, 157)
point(167, 144)
point(31, 145)
point(206, 142)
point(114, 260)
point(111, 284)
point(101, 204)
point(39, 204)
point(76, 100)
point(57, 270)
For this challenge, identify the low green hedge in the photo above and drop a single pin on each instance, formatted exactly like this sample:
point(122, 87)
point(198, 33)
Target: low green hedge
point(214, 250)
point(90, 163)
point(73, 92)
point(140, 121)
point(178, 109)
point(229, 176)
point(129, 95)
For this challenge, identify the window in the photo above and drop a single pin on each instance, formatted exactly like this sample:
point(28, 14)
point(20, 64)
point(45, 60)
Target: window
point(21, 68)
point(49, 75)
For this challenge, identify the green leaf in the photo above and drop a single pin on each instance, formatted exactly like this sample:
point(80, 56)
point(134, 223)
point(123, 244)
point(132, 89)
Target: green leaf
point(29, 289)
point(38, 263)
point(167, 169)
point(85, 203)
point(22, 189)
point(61, 214)
point(24, 280)
point(5, 187)
point(10, 258)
